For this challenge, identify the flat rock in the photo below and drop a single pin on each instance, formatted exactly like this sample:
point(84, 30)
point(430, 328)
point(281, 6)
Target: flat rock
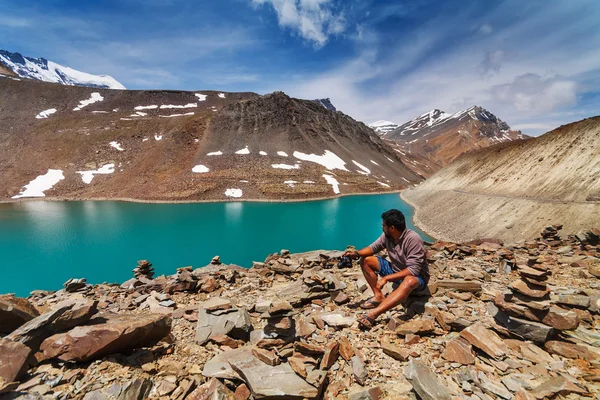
point(523, 328)
point(107, 334)
point(308, 349)
point(358, 370)
point(459, 350)
point(216, 303)
point(460, 285)
point(13, 360)
point(338, 320)
point(67, 314)
point(396, 352)
point(136, 389)
point(486, 340)
point(211, 390)
point(425, 382)
point(235, 323)
point(574, 300)
point(374, 393)
point(267, 356)
point(553, 316)
point(14, 312)
point(527, 289)
point(332, 352)
point(534, 354)
point(346, 349)
point(571, 350)
point(219, 366)
point(416, 327)
point(556, 386)
point(265, 381)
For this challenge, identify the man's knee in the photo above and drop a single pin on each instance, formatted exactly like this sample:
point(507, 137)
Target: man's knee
point(370, 261)
point(410, 283)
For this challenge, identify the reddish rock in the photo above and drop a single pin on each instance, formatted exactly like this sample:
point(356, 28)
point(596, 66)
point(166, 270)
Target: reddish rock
point(13, 360)
point(267, 356)
point(396, 352)
point(459, 350)
point(309, 349)
point(486, 340)
point(14, 312)
point(332, 352)
point(527, 289)
point(242, 392)
point(346, 350)
point(556, 386)
point(224, 340)
point(420, 326)
point(107, 334)
point(571, 350)
point(213, 389)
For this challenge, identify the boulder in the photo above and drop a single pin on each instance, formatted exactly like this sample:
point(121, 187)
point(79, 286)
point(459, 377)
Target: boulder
point(107, 334)
point(574, 300)
point(13, 360)
point(425, 382)
point(234, 322)
point(266, 381)
point(486, 340)
point(14, 312)
point(63, 316)
point(338, 320)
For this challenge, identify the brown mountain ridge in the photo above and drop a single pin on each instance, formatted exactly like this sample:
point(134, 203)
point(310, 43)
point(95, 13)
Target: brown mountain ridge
point(185, 146)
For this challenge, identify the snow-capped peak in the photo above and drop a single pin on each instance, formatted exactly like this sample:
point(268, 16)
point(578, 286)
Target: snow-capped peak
point(48, 71)
point(383, 127)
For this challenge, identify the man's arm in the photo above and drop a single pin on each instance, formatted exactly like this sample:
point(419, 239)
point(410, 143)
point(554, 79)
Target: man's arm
point(366, 252)
point(382, 281)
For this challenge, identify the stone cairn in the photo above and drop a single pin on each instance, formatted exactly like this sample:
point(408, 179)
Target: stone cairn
point(529, 311)
point(143, 270)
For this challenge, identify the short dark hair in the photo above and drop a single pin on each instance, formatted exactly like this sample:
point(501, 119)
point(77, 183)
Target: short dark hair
point(394, 218)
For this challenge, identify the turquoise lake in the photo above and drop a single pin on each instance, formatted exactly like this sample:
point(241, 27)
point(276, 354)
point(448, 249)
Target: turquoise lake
point(42, 244)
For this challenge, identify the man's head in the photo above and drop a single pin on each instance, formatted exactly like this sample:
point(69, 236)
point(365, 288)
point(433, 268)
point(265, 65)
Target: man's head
point(393, 222)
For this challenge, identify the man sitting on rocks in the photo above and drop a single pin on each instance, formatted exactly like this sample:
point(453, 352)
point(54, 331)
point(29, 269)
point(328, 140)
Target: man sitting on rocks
point(408, 267)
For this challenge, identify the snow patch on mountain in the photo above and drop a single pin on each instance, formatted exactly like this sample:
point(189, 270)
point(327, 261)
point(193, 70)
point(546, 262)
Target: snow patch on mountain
point(94, 98)
point(46, 113)
point(39, 185)
point(48, 71)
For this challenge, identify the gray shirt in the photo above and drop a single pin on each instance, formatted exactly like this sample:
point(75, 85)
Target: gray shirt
point(407, 253)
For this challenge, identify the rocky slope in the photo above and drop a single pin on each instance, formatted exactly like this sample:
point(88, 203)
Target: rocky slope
point(48, 71)
point(441, 137)
point(511, 190)
point(498, 321)
point(80, 143)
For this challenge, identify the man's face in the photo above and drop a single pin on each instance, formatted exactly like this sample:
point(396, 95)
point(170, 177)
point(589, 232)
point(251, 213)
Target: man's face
point(387, 230)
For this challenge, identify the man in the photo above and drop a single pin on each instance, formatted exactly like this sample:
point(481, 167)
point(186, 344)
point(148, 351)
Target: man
point(408, 266)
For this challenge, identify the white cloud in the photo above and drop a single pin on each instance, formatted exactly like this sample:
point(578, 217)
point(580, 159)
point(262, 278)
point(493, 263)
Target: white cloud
point(486, 29)
point(532, 93)
point(314, 20)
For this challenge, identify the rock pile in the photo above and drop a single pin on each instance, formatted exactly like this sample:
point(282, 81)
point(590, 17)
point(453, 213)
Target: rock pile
point(285, 328)
point(143, 270)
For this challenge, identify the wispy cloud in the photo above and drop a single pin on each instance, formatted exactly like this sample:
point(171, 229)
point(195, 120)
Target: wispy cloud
point(314, 20)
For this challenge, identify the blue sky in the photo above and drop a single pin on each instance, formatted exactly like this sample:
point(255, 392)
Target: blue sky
point(535, 64)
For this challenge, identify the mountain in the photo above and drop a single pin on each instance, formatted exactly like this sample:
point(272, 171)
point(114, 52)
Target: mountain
point(48, 71)
point(326, 103)
point(383, 127)
point(513, 190)
point(442, 137)
point(72, 142)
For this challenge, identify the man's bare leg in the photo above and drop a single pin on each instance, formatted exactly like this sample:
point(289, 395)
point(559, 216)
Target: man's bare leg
point(398, 296)
point(369, 266)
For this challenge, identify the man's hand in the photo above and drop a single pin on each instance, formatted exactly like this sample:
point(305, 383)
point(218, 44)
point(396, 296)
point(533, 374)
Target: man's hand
point(352, 254)
point(381, 282)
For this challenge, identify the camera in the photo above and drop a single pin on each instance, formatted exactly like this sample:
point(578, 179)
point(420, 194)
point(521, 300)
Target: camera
point(345, 262)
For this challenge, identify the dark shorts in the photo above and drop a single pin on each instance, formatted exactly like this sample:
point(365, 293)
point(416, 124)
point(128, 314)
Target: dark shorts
point(385, 269)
